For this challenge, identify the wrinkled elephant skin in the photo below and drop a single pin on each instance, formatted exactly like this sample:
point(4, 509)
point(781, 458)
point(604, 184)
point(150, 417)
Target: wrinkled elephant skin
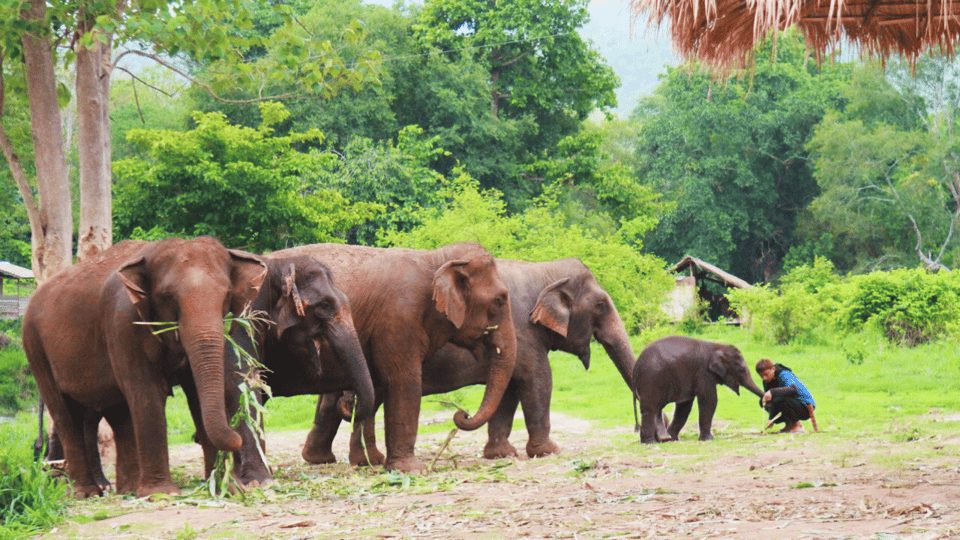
point(406, 304)
point(557, 306)
point(91, 357)
point(300, 306)
point(679, 369)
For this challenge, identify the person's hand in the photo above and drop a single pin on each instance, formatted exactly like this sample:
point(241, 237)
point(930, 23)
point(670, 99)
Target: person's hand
point(766, 397)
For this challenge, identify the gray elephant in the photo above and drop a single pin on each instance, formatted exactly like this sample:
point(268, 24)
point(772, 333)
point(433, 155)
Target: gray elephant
point(406, 304)
point(91, 357)
point(303, 312)
point(677, 369)
point(557, 306)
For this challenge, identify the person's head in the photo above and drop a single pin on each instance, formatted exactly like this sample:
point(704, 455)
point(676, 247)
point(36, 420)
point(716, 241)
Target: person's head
point(766, 369)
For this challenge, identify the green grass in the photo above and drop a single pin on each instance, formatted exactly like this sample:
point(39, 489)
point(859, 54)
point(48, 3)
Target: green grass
point(868, 393)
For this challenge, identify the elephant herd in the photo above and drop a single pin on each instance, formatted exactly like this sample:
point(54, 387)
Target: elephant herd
point(358, 326)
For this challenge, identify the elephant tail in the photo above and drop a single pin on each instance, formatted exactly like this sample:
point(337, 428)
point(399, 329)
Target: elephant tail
point(636, 398)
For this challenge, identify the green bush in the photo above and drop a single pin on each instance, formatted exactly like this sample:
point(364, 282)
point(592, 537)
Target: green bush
point(30, 499)
point(18, 389)
point(798, 311)
point(637, 282)
point(908, 306)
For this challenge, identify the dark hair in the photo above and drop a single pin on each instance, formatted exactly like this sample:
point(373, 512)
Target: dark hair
point(764, 365)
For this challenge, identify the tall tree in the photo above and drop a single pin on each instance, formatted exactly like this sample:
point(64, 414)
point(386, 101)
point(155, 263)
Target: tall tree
point(540, 72)
point(731, 154)
point(32, 31)
point(889, 166)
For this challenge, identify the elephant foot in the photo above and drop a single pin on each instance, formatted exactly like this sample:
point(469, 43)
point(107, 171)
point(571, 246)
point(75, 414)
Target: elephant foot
point(410, 465)
point(499, 449)
point(317, 457)
point(359, 459)
point(542, 449)
point(166, 488)
point(86, 491)
point(706, 437)
point(255, 478)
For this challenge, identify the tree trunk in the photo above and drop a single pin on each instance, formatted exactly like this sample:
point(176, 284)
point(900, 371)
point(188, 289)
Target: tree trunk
point(93, 142)
point(53, 240)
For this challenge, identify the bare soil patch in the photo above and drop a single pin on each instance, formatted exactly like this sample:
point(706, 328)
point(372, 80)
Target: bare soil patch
point(604, 484)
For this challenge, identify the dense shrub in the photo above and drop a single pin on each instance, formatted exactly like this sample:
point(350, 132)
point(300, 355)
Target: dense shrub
point(798, 310)
point(909, 306)
point(30, 499)
point(18, 389)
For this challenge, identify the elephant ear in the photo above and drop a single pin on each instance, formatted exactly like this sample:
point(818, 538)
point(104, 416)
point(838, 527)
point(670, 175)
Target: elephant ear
point(134, 277)
point(449, 288)
point(716, 365)
point(553, 308)
point(290, 307)
point(247, 275)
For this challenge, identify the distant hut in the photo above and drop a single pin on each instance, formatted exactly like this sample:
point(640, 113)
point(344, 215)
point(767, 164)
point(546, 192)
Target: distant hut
point(694, 285)
point(722, 32)
point(14, 306)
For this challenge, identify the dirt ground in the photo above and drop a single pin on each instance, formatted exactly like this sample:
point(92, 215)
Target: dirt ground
point(604, 484)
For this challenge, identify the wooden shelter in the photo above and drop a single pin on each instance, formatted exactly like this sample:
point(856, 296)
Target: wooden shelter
point(722, 32)
point(13, 306)
point(693, 286)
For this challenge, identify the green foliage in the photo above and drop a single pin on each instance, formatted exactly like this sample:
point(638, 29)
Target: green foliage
point(245, 186)
point(887, 165)
point(636, 282)
point(731, 154)
point(797, 311)
point(30, 499)
point(396, 177)
point(908, 306)
point(540, 72)
point(18, 388)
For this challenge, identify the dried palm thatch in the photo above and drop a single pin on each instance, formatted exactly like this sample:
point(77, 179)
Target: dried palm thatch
point(722, 32)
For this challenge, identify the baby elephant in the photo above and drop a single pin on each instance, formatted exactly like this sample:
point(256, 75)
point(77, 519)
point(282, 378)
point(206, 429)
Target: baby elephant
point(678, 369)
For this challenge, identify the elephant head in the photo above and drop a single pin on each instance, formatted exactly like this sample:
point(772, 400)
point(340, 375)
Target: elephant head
point(311, 311)
point(578, 309)
point(472, 296)
point(194, 284)
point(728, 366)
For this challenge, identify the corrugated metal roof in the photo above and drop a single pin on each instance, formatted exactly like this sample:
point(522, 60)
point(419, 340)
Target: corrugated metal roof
point(10, 270)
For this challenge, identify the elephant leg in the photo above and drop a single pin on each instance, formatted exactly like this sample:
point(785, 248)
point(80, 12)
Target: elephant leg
point(70, 428)
point(680, 414)
point(318, 447)
point(363, 444)
point(91, 439)
point(648, 423)
point(706, 406)
point(128, 465)
point(148, 414)
point(200, 436)
point(662, 421)
point(501, 424)
point(535, 398)
point(401, 419)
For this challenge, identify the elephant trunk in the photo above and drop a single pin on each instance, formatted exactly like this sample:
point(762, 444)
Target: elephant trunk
point(203, 343)
point(342, 337)
point(612, 335)
point(752, 386)
point(502, 349)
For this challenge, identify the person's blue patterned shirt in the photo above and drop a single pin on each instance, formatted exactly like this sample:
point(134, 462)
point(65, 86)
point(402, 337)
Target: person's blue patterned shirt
point(787, 378)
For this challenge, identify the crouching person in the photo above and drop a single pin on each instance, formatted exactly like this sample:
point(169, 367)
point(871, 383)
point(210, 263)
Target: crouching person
point(785, 397)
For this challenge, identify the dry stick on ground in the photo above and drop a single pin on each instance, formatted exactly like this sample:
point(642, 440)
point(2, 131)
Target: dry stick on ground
point(443, 447)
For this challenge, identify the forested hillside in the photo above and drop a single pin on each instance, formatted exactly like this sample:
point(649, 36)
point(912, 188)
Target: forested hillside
point(343, 121)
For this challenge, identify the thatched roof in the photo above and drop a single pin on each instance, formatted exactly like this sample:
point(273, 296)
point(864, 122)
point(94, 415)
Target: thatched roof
point(700, 267)
point(722, 32)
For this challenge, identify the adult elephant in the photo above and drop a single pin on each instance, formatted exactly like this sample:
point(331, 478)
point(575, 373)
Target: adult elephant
point(301, 313)
point(88, 352)
point(679, 369)
point(557, 306)
point(406, 305)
